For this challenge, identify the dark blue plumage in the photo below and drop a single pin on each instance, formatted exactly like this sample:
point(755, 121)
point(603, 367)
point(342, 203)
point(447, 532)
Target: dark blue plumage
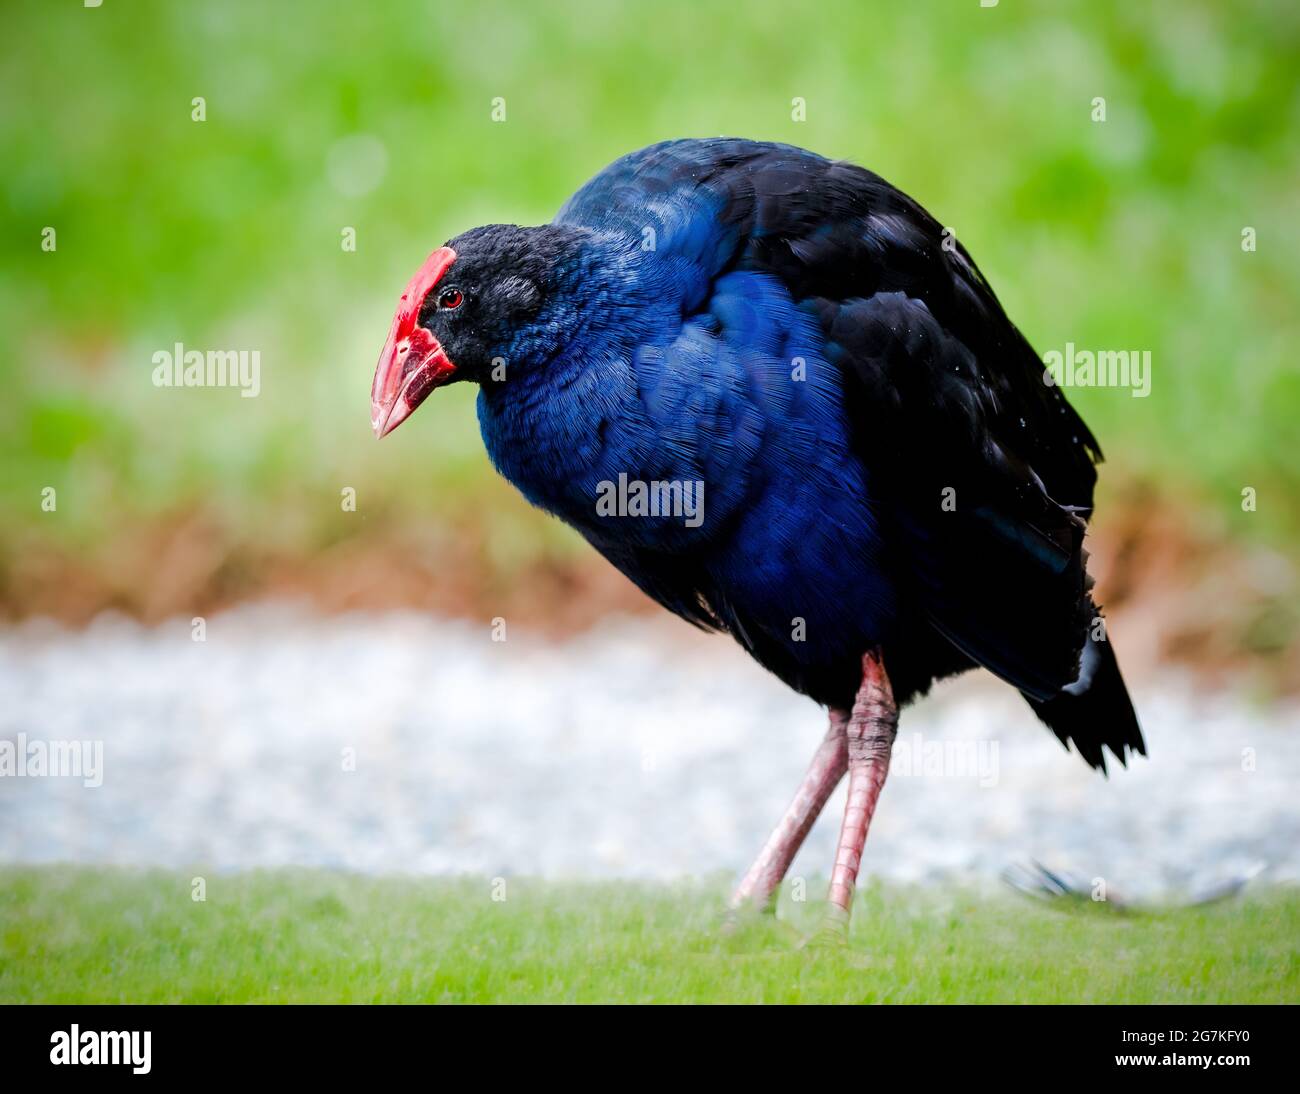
point(882, 463)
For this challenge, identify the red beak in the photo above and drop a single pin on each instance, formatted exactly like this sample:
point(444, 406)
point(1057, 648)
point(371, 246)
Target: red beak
point(413, 362)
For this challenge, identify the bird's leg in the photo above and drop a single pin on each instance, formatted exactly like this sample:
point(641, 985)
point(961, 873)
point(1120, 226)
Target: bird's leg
point(758, 887)
point(870, 736)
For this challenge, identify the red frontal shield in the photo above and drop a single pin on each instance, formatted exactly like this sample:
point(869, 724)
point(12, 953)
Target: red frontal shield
point(413, 361)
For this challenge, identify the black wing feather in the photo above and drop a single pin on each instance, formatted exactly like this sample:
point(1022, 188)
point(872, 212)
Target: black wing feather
point(986, 471)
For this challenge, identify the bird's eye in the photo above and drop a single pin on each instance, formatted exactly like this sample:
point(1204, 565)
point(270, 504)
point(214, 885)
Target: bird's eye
point(451, 299)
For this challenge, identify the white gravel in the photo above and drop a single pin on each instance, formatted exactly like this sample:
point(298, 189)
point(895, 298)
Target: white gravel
point(639, 749)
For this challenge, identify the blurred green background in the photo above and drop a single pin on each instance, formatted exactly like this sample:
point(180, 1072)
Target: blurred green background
point(226, 233)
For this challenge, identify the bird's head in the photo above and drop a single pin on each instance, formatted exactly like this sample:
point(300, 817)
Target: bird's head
point(492, 300)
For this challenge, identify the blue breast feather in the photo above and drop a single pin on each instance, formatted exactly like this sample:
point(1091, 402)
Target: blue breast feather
point(723, 383)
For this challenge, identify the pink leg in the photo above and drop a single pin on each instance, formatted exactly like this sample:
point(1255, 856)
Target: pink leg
point(758, 887)
point(872, 726)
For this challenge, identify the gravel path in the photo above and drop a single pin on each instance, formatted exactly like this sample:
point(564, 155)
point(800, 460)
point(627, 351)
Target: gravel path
point(639, 749)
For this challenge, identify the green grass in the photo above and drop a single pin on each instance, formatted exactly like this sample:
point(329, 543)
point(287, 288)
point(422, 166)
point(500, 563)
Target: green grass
point(90, 935)
point(226, 232)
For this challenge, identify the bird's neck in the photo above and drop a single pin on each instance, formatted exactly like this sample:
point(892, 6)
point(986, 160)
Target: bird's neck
point(543, 424)
point(615, 297)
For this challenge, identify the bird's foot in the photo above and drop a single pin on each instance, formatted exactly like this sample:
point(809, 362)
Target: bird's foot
point(740, 917)
point(833, 934)
point(752, 929)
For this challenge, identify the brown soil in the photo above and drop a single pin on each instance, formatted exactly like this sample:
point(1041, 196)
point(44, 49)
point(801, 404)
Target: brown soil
point(1173, 592)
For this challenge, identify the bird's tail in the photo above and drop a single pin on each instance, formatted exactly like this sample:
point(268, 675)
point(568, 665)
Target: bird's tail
point(1095, 710)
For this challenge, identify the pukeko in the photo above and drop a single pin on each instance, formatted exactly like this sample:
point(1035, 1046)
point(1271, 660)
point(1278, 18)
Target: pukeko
point(781, 399)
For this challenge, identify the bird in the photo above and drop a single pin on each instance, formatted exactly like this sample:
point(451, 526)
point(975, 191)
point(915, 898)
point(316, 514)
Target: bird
point(775, 393)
